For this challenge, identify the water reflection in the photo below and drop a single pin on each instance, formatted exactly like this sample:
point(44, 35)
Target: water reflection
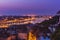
point(42, 38)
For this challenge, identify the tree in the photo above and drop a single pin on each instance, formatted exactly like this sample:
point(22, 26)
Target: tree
point(56, 34)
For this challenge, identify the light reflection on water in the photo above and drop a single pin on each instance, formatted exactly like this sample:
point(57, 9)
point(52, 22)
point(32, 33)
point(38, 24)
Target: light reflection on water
point(10, 38)
point(42, 38)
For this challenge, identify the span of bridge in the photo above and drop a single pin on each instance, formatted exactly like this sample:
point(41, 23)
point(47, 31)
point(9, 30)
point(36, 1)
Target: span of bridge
point(5, 24)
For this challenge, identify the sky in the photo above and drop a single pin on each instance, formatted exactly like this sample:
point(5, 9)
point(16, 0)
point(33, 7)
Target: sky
point(25, 7)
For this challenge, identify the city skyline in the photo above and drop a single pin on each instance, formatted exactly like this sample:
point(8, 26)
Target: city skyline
point(23, 7)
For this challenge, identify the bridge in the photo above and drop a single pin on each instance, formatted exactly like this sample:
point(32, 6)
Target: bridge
point(6, 23)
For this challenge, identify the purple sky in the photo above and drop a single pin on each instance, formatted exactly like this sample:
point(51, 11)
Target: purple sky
point(21, 7)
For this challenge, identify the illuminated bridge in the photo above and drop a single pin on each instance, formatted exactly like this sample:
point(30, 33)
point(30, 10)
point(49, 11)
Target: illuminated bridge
point(5, 23)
